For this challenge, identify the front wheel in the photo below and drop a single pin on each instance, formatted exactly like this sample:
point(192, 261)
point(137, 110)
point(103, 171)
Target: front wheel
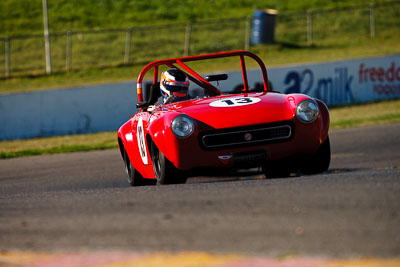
point(164, 170)
point(319, 162)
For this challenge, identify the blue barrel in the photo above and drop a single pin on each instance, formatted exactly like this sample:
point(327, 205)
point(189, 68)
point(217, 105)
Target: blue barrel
point(263, 28)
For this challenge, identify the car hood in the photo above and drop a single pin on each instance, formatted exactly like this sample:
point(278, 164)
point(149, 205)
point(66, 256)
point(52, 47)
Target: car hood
point(237, 110)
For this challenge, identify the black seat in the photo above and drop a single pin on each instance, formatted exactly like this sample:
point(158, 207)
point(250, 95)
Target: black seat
point(154, 94)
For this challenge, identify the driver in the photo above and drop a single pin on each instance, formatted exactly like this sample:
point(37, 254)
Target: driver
point(174, 86)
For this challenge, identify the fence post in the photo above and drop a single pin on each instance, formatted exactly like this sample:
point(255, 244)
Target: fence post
point(309, 28)
point(247, 33)
point(186, 49)
point(46, 37)
point(7, 55)
point(372, 20)
point(69, 52)
point(127, 45)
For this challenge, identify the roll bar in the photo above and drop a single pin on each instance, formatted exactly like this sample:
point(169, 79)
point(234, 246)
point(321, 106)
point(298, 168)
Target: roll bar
point(195, 77)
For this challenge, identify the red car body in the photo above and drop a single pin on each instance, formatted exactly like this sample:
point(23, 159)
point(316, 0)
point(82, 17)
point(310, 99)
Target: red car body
point(227, 131)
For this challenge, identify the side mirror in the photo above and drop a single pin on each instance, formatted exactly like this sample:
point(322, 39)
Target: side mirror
point(216, 77)
point(143, 104)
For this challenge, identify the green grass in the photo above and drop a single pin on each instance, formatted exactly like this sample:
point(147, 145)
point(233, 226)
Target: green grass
point(25, 17)
point(365, 115)
point(58, 144)
point(341, 117)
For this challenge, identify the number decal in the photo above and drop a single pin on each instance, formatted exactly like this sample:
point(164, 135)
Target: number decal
point(243, 100)
point(141, 141)
point(235, 102)
point(228, 102)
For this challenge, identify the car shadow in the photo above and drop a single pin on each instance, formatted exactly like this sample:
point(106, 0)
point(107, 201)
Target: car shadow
point(256, 174)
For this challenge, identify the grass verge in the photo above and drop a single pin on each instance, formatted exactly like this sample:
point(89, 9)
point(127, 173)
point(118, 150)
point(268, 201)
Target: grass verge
point(58, 144)
point(365, 115)
point(341, 117)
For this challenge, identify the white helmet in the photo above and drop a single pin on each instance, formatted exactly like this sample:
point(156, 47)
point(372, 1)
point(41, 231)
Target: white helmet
point(174, 82)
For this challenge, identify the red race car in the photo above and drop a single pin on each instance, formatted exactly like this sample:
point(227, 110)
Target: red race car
point(181, 130)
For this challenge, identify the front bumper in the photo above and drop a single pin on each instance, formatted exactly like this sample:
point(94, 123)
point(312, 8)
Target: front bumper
point(192, 152)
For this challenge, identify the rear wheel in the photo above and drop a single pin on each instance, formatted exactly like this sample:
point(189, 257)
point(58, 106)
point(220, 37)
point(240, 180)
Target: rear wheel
point(134, 177)
point(319, 162)
point(164, 170)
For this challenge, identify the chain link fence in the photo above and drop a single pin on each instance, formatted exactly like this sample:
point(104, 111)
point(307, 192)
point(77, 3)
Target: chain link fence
point(25, 55)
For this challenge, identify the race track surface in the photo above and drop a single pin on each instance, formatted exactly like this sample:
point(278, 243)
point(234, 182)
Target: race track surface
point(82, 202)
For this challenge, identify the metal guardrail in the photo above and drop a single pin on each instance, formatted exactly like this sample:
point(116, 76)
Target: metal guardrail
point(184, 44)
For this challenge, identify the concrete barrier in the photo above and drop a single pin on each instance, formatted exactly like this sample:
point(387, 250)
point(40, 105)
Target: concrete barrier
point(106, 107)
point(66, 111)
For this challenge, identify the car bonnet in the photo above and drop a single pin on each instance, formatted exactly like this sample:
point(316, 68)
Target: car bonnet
point(237, 110)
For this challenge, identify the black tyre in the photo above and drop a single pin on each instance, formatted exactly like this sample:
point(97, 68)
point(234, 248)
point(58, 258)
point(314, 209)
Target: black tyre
point(319, 162)
point(165, 171)
point(134, 177)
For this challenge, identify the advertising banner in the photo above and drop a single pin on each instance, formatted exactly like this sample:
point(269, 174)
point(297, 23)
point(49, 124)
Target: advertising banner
point(342, 82)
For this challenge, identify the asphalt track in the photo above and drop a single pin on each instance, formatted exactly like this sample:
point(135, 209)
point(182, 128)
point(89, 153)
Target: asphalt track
point(81, 202)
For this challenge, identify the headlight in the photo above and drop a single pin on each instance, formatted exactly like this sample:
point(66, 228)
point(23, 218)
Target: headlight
point(182, 126)
point(307, 111)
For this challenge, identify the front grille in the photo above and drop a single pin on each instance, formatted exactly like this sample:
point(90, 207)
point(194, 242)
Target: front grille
point(247, 136)
point(249, 159)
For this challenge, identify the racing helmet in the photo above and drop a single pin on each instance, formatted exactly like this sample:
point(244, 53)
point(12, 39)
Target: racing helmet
point(174, 82)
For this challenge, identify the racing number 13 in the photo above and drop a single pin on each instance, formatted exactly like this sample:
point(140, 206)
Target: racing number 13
point(234, 102)
point(242, 100)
